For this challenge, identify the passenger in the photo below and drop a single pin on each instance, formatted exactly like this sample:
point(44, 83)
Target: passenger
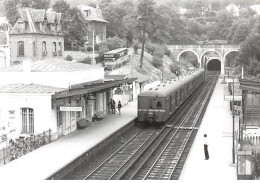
point(119, 107)
point(113, 106)
point(206, 147)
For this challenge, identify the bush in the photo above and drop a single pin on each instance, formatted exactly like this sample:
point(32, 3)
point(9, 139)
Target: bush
point(69, 58)
point(89, 48)
point(174, 68)
point(157, 62)
point(150, 47)
point(83, 49)
point(86, 60)
point(76, 48)
point(159, 52)
point(102, 49)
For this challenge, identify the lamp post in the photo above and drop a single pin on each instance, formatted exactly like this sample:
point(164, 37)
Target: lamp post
point(233, 131)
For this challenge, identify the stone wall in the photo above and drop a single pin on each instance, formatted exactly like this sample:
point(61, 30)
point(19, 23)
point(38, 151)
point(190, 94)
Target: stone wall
point(35, 42)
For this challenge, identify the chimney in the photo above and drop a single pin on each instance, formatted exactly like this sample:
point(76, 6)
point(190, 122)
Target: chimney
point(27, 66)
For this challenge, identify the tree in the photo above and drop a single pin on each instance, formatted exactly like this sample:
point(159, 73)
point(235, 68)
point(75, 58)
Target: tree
point(241, 33)
point(75, 28)
point(145, 11)
point(61, 6)
point(249, 55)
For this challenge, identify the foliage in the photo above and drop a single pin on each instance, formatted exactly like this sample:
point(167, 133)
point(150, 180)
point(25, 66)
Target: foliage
point(241, 33)
point(114, 43)
point(174, 68)
point(74, 28)
point(253, 68)
point(249, 55)
point(102, 49)
point(145, 12)
point(157, 62)
point(69, 58)
point(86, 60)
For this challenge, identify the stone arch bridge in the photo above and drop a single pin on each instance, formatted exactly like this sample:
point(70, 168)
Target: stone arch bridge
point(200, 51)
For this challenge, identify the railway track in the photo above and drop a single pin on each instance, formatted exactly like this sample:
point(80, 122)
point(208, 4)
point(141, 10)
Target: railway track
point(154, 153)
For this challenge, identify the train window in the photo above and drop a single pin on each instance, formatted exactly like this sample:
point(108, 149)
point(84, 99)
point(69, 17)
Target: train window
point(150, 104)
point(158, 105)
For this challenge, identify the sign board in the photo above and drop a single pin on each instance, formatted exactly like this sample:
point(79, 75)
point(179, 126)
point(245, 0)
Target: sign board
point(230, 80)
point(70, 108)
point(230, 98)
point(118, 91)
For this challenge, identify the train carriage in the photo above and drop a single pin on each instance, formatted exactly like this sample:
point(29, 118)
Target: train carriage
point(157, 104)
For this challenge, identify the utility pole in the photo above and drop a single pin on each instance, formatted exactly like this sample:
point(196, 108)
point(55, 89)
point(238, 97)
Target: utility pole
point(233, 116)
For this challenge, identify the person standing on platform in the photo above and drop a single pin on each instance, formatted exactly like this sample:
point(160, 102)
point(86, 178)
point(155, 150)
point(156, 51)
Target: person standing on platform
point(119, 107)
point(206, 152)
point(113, 106)
point(110, 103)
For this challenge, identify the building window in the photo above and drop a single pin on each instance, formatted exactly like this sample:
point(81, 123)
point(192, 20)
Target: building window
point(54, 48)
point(86, 13)
point(53, 28)
point(60, 49)
point(44, 51)
point(20, 26)
point(59, 121)
point(20, 46)
point(27, 120)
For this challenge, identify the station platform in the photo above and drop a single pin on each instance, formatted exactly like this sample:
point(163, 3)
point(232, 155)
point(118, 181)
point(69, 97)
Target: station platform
point(45, 161)
point(217, 123)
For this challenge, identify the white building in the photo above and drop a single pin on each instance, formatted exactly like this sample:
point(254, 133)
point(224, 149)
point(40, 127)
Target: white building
point(37, 83)
point(56, 93)
point(27, 109)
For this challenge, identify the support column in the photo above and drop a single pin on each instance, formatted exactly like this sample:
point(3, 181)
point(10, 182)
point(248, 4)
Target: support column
point(222, 66)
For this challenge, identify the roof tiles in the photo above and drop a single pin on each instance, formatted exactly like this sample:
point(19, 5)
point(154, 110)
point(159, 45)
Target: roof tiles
point(29, 88)
point(52, 65)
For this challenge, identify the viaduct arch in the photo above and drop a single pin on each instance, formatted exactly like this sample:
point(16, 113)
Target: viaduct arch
point(200, 50)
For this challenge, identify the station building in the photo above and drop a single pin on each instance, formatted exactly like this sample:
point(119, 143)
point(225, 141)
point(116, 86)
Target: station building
point(60, 93)
point(251, 109)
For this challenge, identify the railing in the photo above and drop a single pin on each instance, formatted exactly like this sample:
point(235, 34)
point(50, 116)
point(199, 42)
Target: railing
point(14, 149)
point(44, 53)
point(253, 138)
point(54, 53)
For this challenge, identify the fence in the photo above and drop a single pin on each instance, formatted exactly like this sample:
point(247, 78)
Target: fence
point(13, 149)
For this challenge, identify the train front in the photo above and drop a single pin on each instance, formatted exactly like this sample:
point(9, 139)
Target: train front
point(150, 108)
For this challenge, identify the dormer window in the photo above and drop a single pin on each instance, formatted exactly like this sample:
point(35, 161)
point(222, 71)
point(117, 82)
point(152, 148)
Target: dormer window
point(53, 28)
point(21, 26)
point(86, 13)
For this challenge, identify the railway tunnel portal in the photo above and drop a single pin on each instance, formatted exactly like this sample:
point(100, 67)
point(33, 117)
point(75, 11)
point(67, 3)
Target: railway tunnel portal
point(216, 62)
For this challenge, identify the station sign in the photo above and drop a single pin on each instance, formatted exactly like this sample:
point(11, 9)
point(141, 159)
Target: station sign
point(230, 98)
point(230, 80)
point(63, 108)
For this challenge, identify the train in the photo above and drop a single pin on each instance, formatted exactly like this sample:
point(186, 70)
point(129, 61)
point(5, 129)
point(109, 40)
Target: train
point(157, 104)
point(115, 58)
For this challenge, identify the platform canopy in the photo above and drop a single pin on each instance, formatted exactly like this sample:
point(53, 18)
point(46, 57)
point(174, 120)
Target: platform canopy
point(92, 88)
point(250, 85)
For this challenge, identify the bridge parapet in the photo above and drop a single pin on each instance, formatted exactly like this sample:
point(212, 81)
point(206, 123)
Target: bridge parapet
point(202, 46)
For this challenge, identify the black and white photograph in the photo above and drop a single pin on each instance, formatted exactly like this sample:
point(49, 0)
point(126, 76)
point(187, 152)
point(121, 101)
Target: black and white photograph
point(130, 90)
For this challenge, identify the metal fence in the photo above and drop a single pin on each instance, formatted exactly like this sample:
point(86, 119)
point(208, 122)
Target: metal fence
point(13, 149)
